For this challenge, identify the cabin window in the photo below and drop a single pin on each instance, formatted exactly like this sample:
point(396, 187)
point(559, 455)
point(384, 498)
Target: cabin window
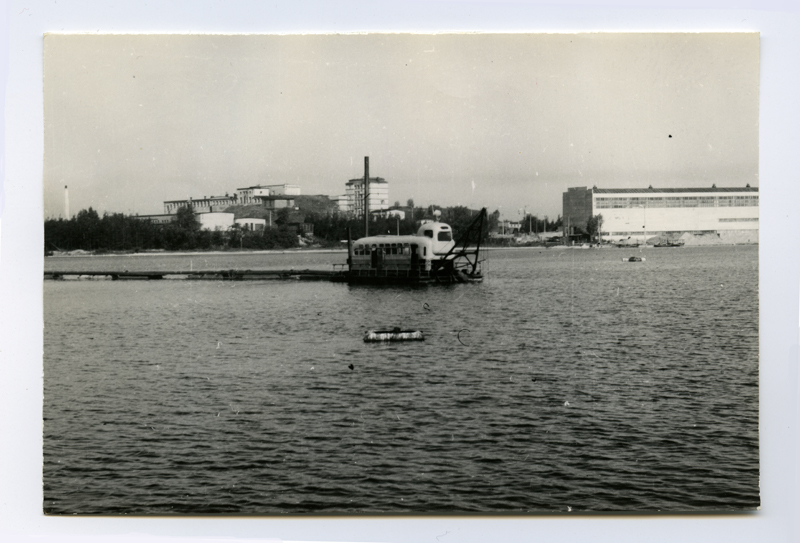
point(429, 233)
point(445, 236)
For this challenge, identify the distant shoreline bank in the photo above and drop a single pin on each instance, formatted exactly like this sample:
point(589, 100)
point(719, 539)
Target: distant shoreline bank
point(74, 254)
point(84, 254)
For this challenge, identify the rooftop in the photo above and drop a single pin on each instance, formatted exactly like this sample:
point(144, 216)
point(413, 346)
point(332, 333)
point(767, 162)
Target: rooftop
point(371, 180)
point(651, 190)
point(196, 199)
point(257, 187)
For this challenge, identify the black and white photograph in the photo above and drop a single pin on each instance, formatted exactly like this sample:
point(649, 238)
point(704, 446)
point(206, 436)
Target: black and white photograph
point(398, 273)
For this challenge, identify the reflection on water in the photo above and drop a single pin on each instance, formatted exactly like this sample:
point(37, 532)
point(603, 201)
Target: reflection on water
point(578, 381)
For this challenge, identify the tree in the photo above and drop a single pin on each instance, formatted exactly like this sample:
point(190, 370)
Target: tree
point(410, 203)
point(88, 226)
point(493, 221)
point(459, 218)
point(186, 219)
point(282, 218)
point(594, 226)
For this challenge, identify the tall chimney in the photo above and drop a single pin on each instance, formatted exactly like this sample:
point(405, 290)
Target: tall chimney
point(366, 196)
point(66, 202)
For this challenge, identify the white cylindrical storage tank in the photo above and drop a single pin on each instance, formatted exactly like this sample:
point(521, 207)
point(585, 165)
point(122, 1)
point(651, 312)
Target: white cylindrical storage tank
point(215, 221)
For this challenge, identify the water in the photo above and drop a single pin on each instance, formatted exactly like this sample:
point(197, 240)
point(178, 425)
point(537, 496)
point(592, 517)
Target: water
point(568, 379)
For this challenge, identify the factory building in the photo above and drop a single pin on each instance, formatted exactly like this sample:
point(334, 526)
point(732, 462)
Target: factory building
point(275, 202)
point(284, 190)
point(644, 213)
point(204, 204)
point(253, 195)
point(378, 195)
point(249, 195)
point(269, 196)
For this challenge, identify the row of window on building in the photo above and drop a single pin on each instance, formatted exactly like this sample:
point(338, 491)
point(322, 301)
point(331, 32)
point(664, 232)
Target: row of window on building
point(270, 196)
point(676, 201)
point(353, 200)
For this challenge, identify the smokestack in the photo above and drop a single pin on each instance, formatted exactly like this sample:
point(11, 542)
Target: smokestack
point(366, 196)
point(66, 202)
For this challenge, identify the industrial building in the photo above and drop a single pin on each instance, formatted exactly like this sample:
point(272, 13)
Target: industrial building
point(204, 204)
point(644, 213)
point(268, 196)
point(254, 195)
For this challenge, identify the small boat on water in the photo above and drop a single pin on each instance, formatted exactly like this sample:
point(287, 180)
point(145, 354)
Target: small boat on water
point(633, 259)
point(669, 244)
point(430, 256)
point(396, 334)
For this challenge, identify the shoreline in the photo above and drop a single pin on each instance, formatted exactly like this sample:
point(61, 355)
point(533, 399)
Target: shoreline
point(344, 251)
point(196, 253)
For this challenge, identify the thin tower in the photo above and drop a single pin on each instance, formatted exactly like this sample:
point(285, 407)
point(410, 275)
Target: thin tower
point(366, 196)
point(66, 202)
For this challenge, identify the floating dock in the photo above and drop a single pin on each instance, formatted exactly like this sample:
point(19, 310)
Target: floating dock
point(207, 275)
point(393, 335)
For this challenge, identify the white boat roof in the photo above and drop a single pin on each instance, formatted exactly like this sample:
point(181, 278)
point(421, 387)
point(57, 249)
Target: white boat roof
point(392, 239)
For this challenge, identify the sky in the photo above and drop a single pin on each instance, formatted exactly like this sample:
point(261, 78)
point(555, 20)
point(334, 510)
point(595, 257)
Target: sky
point(503, 121)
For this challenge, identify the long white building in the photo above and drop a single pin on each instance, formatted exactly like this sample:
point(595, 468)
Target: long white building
point(644, 213)
point(199, 205)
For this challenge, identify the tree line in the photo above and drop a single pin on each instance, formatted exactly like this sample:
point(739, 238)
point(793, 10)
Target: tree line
point(89, 231)
point(116, 232)
point(333, 228)
point(532, 224)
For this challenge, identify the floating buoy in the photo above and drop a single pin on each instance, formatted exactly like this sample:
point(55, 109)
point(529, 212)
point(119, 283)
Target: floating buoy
point(395, 334)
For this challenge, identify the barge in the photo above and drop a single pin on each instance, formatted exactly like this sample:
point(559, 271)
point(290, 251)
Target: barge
point(430, 256)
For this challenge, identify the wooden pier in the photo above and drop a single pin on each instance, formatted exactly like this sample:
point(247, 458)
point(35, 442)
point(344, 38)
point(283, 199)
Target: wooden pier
point(207, 275)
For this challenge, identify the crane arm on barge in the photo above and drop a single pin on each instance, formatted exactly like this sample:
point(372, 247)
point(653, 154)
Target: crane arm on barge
point(462, 250)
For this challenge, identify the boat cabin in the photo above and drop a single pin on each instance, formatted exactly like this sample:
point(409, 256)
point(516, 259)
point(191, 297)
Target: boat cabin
point(440, 233)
